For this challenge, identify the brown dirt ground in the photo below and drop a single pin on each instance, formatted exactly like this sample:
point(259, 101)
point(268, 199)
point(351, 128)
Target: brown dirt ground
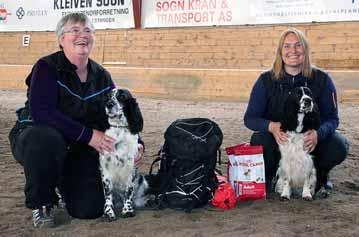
point(337, 215)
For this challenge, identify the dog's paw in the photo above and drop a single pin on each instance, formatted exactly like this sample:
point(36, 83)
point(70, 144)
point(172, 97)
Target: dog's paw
point(307, 198)
point(127, 209)
point(109, 218)
point(128, 214)
point(284, 198)
point(109, 213)
point(307, 194)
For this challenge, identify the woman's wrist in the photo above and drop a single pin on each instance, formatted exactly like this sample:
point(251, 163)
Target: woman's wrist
point(270, 127)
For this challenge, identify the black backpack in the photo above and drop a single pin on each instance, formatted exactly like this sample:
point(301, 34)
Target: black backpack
point(186, 177)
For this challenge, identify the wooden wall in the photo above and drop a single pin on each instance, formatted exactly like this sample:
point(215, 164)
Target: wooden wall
point(204, 62)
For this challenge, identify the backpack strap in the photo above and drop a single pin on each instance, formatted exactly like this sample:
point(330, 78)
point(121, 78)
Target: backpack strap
point(158, 182)
point(153, 163)
point(161, 155)
point(219, 155)
point(201, 137)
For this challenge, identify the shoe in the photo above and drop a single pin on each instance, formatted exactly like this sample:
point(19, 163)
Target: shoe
point(323, 181)
point(329, 185)
point(43, 217)
point(61, 202)
point(322, 193)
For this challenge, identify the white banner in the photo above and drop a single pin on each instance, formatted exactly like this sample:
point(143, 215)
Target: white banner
point(43, 15)
point(170, 13)
point(301, 11)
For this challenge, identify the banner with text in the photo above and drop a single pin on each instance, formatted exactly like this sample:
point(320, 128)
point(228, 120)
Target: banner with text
point(170, 13)
point(43, 15)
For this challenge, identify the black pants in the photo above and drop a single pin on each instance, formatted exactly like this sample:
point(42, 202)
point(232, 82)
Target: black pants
point(327, 154)
point(49, 163)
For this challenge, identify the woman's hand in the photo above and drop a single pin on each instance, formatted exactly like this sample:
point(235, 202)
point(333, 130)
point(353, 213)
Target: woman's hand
point(280, 136)
point(310, 140)
point(138, 158)
point(101, 142)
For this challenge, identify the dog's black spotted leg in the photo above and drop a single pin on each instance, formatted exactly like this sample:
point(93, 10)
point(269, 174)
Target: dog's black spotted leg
point(127, 209)
point(308, 187)
point(285, 195)
point(109, 213)
point(108, 209)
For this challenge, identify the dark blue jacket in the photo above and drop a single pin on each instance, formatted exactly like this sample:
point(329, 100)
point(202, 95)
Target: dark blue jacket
point(57, 97)
point(268, 95)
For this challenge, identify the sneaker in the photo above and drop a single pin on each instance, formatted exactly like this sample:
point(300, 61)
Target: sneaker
point(323, 193)
point(329, 185)
point(323, 182)
point(61, 202)
point(43, 217)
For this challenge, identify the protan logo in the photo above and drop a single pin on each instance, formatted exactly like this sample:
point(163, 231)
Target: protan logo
point(3, 14)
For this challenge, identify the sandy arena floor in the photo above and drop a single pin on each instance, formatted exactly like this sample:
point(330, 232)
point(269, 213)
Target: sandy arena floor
point(336, 216)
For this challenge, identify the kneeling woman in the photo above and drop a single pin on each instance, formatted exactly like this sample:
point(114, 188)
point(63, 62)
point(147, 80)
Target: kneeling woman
point(292, 68)
point(59, 132)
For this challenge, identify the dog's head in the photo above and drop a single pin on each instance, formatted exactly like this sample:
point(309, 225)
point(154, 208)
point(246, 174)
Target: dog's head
point(300, 101)
point(123, 110)
point(304, 96)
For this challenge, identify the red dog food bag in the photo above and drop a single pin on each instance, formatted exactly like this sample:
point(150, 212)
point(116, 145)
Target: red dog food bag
point(245, 171)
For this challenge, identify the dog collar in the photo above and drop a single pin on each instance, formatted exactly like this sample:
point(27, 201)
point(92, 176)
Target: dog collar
point(117, 126)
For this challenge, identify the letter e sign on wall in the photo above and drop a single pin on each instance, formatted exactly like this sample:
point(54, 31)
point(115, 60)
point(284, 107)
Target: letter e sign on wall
point(25, 40)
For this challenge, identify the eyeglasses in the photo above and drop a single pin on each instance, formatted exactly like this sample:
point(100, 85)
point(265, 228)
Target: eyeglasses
point(77, 31)
point(297, 45)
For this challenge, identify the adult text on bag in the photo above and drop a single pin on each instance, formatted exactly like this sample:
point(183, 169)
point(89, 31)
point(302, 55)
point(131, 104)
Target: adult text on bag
point(246, 171)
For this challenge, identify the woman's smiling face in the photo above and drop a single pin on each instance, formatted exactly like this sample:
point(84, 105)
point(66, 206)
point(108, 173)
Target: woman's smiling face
point(293, 52)
point(77, 39)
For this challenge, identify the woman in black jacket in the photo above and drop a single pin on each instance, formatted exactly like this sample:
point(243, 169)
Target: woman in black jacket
point(292, 68)
point(60, 131)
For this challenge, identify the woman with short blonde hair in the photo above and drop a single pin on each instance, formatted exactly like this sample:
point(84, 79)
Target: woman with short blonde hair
point(60, 131)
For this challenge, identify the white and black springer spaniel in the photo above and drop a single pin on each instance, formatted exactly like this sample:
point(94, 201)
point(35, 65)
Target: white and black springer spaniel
point(296, 167)
point(124, 187)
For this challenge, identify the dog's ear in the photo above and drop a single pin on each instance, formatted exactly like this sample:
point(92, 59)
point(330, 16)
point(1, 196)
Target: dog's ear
point(134, 116)
point(289, 121)
point(312, 119)
point(123, 95)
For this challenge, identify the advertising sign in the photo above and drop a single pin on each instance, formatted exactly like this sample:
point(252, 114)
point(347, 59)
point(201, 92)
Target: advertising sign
point(43, 15)
point(170, 13)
